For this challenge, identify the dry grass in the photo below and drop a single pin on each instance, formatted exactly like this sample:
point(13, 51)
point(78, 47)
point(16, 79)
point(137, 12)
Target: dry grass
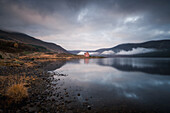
point(17, 92)
point(14, 79)
point(11, 62)
point(29, 64)
point(48, 56)
point(15, 87)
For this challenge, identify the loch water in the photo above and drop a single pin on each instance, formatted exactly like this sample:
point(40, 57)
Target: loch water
point(139, 84)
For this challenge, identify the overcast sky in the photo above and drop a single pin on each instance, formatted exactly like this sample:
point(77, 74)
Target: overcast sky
point(88, 24)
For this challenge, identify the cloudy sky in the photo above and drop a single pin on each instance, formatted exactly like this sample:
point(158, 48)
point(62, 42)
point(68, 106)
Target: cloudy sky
point(88, 24)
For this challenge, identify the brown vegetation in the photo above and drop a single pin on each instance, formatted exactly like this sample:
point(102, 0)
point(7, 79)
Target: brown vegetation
point(15, 45)
point(15, 87)
point(17, 92)
point(10, 46)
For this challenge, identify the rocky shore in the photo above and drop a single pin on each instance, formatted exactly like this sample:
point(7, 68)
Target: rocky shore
point(45, 93)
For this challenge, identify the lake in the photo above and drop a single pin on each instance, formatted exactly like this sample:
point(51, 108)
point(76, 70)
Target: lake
point(118, 84)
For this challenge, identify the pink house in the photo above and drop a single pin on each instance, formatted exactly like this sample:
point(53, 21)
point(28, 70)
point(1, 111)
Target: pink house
point(86, 54)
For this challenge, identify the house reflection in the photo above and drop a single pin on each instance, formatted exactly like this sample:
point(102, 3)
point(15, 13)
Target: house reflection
point(86, 60)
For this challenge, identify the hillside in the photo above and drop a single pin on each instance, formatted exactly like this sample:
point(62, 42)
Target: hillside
point(159, 44)
point(26, 39)
point(14, 47)
point(157, 48)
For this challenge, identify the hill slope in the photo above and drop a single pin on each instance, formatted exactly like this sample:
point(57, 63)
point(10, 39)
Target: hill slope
point(13, 47)
point(159, 44)
point(23, 38)
point(157, 48)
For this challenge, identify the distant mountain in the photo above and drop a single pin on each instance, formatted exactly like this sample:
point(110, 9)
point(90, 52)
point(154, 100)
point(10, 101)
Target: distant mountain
point(26, 39)
point(75, 51)
point(157, 48)
point(159, 44)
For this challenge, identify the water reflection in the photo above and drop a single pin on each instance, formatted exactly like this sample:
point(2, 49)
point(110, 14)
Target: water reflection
point(147, 65)
point(128, 80)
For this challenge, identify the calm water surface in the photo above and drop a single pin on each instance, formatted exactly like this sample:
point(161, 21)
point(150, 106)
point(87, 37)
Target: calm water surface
point(120, 83)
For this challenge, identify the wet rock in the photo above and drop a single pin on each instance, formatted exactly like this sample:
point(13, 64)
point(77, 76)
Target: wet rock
point(38, 103)
point(89, 107)
point(32, 104)
point(69, 101)
point(32, 109)
point(62, 103)
point(53, 99)
point(69, 111)
point(1, 111)
point(85, 103)
point(18, 111)
point(86, 99)
point(67, 95)
point(70, 108)
point(61, 97)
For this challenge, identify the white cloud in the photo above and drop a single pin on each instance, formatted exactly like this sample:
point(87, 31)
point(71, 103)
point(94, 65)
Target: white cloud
point(136, 51)
point(93, 53)
point(131, 19)
point(81, 53)
point(82, 15)
point(110, 52)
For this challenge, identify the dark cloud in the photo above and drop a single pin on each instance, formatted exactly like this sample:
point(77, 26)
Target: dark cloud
point(88, 24)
